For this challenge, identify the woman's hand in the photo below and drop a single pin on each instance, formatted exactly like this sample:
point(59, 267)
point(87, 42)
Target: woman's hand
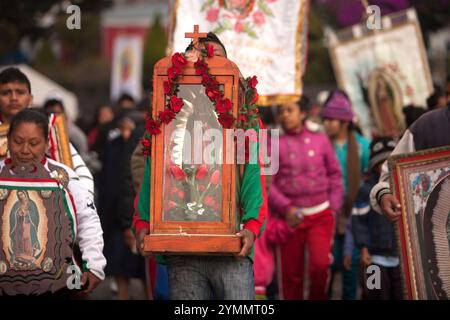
point(91, 280)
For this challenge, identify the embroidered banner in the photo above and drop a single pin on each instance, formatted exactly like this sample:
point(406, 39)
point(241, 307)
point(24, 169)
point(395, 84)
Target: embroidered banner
point(382, 71)
point(266, 38)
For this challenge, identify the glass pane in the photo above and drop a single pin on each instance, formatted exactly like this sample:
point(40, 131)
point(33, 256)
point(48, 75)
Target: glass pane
point(193, 150)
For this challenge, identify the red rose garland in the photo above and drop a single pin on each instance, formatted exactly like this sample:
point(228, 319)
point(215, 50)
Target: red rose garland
point(223, 106)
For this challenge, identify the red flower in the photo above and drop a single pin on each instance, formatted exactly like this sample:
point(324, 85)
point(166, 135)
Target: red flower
point(210, 50)
point(223, 105)
point(259, 18)
point(253, 82)
point(145, 143)
point(242, 117)
point(174, 190)
point(174, 72)
point(209, 201)
point(200, 67)
point(166, 116)
point(171, 204)
point(176, 104)
point(178, 173)
point(239, 26)
point(213, 94)
point(255, 97)
point(212, 15)
point(201, 172)
point(178, 60)
point(201, 188)
point(226, 120)
point(168, 87)
point(180, 194)
point(153, 127)
point(208, 81)
point(146, 146)
point(215, 177)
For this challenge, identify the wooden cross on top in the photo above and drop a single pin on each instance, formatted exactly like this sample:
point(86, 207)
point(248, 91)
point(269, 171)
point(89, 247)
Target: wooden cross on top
point(195, 35)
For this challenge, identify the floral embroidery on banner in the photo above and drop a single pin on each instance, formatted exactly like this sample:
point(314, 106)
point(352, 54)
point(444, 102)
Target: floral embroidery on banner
point(240, 16)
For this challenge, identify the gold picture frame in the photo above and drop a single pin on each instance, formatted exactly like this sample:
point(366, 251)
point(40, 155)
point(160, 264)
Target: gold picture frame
point(4, 140)
point(421, 183)
point(60, 132)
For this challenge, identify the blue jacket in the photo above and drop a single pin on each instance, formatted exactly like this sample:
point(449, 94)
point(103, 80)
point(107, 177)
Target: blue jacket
point(371, 229)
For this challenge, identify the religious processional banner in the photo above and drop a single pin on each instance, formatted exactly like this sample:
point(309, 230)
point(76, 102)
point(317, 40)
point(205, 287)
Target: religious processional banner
point(266, 38)
point(382, 70)
point(127, 67)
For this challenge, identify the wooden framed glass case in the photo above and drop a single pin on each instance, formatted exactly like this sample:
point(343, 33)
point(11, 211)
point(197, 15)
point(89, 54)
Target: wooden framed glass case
point(194, 175)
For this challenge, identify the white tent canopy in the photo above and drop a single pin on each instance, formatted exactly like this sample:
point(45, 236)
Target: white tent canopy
point(43, 88)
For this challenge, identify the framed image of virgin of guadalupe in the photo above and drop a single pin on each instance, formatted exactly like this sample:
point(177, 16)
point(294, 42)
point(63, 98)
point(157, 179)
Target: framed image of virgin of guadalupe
point(421, 182)
point(194, 178)
point(37, 229)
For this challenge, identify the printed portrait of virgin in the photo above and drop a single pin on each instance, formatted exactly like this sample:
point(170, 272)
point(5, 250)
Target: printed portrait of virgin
point(437, 239)
point(24, 221)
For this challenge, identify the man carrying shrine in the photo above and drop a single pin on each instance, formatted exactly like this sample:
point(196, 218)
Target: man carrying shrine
point(200, 277)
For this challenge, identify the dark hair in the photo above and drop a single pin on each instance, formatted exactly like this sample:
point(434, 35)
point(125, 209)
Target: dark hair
point(29, 116)
point(52, 102)
point(125, 96)
point(433, 99)
point(210, 37)
point(304, 104)
point(12, 75)
point(412, 113)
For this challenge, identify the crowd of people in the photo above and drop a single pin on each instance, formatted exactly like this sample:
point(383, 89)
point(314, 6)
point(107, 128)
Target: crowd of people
point(322, 208)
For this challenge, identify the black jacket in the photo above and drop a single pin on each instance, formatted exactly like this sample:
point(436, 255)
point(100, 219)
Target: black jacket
point(371, 229)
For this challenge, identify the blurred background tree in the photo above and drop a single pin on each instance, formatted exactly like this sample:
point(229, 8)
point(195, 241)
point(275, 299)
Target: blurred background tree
point(154, 49)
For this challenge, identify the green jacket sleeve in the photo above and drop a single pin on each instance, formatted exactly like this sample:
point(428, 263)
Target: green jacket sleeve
point(250, 190)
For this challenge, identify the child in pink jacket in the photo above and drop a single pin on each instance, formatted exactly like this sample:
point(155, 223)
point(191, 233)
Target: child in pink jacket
point(306, 192)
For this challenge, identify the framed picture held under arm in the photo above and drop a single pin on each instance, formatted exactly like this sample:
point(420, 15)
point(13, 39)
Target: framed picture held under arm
point(421, 183)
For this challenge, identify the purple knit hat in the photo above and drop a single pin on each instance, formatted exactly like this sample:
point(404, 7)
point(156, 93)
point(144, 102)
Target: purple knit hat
point(338, 107)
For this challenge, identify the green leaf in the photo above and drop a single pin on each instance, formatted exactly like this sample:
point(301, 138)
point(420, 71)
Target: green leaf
point(207, 4)
point(264, 8)
point(219, 29)
point(227, 24)
point(252, 34)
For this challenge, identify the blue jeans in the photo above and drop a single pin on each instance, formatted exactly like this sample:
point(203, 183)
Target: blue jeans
point(162, 283)
point(210, 277)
